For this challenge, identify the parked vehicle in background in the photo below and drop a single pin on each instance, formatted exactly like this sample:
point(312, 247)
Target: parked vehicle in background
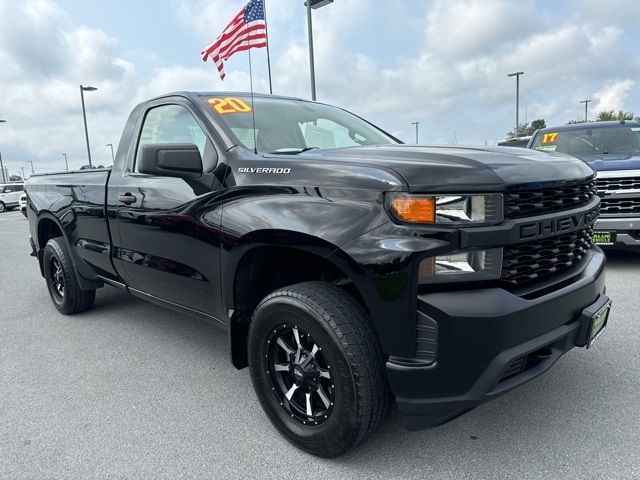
point(23, 203)
point(10, 195)
point(344, 265)
point(521, 142)
point(87, 167)
point(613, 150)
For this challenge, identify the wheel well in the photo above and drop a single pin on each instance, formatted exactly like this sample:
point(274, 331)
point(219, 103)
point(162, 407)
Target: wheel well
point(266, 269)
point(47, 229)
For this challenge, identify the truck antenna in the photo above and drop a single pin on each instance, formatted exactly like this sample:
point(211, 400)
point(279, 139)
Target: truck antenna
point(253, 111)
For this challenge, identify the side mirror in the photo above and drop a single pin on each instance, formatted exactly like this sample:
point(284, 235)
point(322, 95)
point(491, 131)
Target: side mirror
point(180, 160)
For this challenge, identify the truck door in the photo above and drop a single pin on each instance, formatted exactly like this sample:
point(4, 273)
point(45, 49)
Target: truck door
point(166, 243)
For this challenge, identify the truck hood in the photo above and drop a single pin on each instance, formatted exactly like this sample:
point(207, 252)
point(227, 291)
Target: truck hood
point(612, 161)
point(434, 169)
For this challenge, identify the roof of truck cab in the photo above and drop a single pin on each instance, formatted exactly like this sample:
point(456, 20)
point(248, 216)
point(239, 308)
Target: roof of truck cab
point(582, 126)
point(195, 95)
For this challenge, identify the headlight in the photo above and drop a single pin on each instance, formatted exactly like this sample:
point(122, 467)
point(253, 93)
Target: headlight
point(452, 210)
point(462, 266)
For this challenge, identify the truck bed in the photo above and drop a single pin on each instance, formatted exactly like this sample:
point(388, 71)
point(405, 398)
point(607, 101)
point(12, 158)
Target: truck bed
point(77, 200)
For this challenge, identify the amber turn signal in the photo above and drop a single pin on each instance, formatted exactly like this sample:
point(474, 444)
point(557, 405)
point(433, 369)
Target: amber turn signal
point(414, 209)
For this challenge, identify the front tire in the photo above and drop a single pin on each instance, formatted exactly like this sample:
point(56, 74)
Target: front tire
point(62, 280)
point(317, 368)
point(3, 207)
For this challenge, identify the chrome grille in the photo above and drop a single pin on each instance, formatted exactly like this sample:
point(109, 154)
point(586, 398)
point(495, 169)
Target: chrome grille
point(620, 206)
point(621, 183)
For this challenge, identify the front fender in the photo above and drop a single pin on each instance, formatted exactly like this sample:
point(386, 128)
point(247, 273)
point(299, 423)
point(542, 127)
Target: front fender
point(383, 265)
point(316, 220)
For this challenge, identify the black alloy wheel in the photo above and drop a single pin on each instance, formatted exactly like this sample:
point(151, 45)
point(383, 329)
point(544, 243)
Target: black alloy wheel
point(57, 278)
point(62, 279)
point(317, 368)
point(301, 374)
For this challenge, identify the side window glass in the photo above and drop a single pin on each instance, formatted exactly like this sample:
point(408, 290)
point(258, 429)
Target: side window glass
point(173, 124)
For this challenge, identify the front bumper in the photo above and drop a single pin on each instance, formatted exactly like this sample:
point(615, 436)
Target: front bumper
point(627, 229)
point(490, 341)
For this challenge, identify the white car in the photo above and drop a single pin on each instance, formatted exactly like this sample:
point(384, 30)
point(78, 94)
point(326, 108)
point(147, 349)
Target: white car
point(23, 203)
point(10, 195)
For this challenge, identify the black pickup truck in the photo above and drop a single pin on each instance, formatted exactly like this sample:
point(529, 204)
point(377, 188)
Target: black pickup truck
point(348, 269)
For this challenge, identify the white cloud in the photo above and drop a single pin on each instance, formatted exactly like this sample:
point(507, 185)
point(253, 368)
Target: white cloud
point(625, 13)
point(443, 64)
point(50, 57)
point(463, 28)
point(613, 95)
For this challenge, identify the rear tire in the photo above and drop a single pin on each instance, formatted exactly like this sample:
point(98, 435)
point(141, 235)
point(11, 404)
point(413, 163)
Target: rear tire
point(62, 280)
point(325, 389)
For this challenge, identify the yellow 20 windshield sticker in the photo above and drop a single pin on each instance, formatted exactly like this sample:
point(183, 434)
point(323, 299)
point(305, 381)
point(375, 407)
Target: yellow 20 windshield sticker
point(229, 105)
point(549, 137)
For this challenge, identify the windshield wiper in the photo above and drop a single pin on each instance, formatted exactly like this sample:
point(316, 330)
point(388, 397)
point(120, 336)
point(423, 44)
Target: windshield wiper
point(293, 151)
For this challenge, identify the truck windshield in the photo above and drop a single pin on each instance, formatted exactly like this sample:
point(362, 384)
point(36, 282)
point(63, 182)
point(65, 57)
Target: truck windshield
point(293, 126)
point(616, 139)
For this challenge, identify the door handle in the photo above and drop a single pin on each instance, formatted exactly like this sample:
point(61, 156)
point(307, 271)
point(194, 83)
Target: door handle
point(127, 198)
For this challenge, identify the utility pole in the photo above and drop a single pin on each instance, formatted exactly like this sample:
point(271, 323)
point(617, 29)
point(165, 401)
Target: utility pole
point(22, 169)
point(4, 180)
point(315, 4)
point(113, 159)
point(517, 75)
point(84, 116)
point(586, 102)
point(65, 161)
point(417, 134)
point(32, 171)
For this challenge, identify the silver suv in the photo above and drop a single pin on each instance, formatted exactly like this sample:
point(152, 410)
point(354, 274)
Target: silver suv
point(10, 195)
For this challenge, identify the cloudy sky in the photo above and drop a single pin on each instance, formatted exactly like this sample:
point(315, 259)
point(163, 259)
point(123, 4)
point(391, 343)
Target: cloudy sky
point(442, 63)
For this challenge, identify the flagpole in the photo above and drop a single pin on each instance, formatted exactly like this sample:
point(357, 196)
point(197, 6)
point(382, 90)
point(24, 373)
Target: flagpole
point(266, 31)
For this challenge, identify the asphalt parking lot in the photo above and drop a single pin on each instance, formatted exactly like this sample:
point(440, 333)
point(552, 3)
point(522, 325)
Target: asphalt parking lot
point(131, 390)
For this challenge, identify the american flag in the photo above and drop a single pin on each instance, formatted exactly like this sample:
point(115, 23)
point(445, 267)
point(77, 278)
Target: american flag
point(246, 30)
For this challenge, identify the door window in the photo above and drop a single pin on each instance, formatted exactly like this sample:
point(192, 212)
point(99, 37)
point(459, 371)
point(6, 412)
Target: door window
point(175, 124)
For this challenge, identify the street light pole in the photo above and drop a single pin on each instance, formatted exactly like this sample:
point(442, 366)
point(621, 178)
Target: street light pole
point(22, 170)
point(315, 4)
point(4, 180)
point(417, 136)
point(586, 102)
point(65, 161)
point(32, 171)
point(84, 116)
point(113, 159)
point(312, 69)
point(517, 75)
